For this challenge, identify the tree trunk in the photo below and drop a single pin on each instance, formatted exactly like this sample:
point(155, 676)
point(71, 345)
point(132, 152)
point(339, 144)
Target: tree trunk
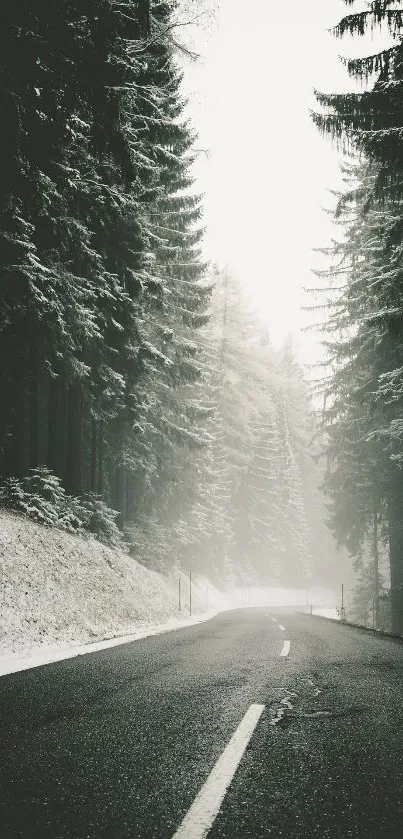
point(61, 448)
point(143, 16)
point(57, 422)
point(395, 516)
point(100, 482)
point(128, 495)
point(53, 418)
point(34, 406)
point(375, 556)
point(119, 500)
point(93, 477)
point(74, 439)
point(19, 450)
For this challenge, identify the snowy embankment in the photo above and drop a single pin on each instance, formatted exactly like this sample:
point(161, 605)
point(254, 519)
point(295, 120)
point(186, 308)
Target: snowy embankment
point(59, 592)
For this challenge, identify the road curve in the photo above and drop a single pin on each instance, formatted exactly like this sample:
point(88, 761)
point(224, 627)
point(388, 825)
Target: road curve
point(121, 743)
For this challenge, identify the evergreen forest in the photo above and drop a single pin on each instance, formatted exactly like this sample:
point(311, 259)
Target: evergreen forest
point(140, 398)
point(363, 299)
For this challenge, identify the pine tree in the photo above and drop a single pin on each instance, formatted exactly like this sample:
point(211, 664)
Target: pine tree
point(264, 424)
point(368, 382)
point(101, 268)
point(362, 445)
point(165, 410)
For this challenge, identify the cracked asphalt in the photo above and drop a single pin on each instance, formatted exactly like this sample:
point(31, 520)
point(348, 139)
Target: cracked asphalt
point(117, 744)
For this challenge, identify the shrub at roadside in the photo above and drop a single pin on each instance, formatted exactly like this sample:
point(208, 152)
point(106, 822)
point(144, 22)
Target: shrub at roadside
point(41, 497)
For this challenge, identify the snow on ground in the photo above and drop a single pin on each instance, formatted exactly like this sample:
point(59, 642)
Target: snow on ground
point(47, 653)
point(323, 600)
point(327, 613)
point(60, 592)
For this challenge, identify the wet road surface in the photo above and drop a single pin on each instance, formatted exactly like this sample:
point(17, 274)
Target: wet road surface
point(118, 744)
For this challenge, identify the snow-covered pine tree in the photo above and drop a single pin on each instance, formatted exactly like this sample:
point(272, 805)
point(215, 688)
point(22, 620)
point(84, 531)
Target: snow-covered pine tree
point(357, 419)
point(371, 121)
point(100, 238)
point(168, 409)
point(258, 526)
point(68, 174)
point(258, 404)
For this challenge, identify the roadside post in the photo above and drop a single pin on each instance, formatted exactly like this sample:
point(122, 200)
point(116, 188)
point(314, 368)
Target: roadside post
point(342, 610)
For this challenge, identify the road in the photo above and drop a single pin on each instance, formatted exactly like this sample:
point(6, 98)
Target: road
point(119, 744)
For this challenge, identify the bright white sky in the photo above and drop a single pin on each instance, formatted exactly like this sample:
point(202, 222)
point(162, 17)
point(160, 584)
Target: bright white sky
point(267, 172)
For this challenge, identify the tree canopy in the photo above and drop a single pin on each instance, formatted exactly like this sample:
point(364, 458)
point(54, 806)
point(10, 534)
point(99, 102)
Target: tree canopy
point(365, 478)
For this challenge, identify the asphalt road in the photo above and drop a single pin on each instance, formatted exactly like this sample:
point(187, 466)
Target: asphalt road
point(119, 743)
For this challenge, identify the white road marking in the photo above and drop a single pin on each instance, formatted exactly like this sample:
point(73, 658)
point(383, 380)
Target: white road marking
point(280, 626)
point(286, 648)
point(202, 813)
point(274, 619)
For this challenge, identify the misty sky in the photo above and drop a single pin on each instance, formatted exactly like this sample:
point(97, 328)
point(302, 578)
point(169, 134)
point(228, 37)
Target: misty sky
point(267, 171)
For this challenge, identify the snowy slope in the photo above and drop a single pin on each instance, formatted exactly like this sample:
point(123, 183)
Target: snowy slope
point(57, 589)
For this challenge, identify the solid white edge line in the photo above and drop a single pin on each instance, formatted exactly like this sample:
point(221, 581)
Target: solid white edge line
point(280, 626)
point(286, 648)
point(203, 811)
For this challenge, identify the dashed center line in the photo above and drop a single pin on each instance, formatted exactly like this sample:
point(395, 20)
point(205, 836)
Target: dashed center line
point(274, 619)
point(202, 813)
point(286, 648)
point(280, 626)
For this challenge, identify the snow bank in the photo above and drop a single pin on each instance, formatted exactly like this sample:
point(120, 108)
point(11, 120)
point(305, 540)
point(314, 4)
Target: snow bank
point(59, 591)
point(327, 613)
